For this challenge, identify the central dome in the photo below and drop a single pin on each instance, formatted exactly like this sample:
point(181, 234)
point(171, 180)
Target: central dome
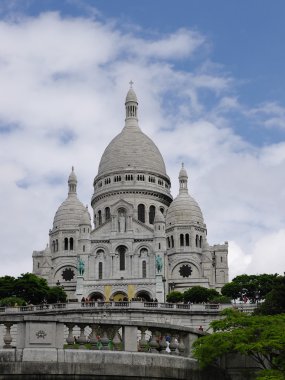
point(131, 149)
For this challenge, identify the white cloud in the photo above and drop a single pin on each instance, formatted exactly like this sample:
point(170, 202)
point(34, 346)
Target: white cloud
point(63, 82)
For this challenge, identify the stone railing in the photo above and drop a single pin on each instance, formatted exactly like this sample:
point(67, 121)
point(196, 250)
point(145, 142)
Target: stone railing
point(113, 305)
point(104, 335)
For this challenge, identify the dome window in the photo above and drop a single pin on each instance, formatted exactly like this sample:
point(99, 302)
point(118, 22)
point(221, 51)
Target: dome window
point(128, 177)
point(100, 270)
point(168, 241)
point(200, 242)
point(100, 184)
point(151, 179)
point(122, 257)
point(140, 177)
point(99, 217)
point(65, 244)
point(181, 240)
point(107, 213)
point(172, 241)
point(151, 214)
point(117, 178)
point(56, 245)
point(107, 181)
point(161, 210)
point(71, 244)
point(144, 269)
point(83, 248)
point(141, 213)
point(187, 240)
point(197, 241)
point(53, 246)
point(160, 182)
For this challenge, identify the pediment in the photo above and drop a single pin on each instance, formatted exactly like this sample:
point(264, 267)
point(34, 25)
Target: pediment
point(121, 203)
point(142, 229)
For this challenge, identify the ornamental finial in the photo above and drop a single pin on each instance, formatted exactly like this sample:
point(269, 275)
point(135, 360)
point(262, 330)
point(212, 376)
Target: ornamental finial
point(131, 83)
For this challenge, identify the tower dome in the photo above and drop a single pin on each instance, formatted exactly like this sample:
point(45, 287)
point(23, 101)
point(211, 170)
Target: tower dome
point(131, 149)
point(184, 209)
point(70, 212)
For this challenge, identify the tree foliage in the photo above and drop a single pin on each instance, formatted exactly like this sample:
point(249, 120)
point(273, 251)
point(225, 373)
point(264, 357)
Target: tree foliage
point(56, 294)
point(274, 301)
point(174, 297)
point(12, 301)
point(251, 287)
point(199, 294)
point(30, 288)
point(260, 337)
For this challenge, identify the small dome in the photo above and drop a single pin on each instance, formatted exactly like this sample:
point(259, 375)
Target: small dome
point(70, 212)
point(131, 96)
point(184, 210)
point(183, 173)
point(72, 177)
point(85, 219)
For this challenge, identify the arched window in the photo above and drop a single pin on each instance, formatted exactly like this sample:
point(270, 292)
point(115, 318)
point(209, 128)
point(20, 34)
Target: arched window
point(144, 269)
point(99, 217)
point(71, 244)
point(172, 241)
point(100, 271)
point(107, 213)
point(151, 214)
point(83, 248)
point(161, 210)
point(65, 244)
point(56, 245)
point(122, 257)
point(53, 246)
point(168, 242)
point(159, 245)
point(187, 240)
point(197, 240)
point(201, 239)
point(181, 240)
point(141, 213)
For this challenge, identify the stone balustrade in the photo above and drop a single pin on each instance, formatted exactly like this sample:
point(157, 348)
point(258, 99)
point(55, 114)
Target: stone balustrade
point(60, 332)
point(114, 305)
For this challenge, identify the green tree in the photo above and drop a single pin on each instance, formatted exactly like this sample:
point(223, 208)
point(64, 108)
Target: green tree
point(199, 294)
point(31, 288)
point(260, 337)
point(56, 294)
point(274, 301)
point(251, 287)
point(7, 284)
point(174, 297)
point(12, 301)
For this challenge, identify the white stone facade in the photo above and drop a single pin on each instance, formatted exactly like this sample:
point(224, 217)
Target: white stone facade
point(143, 243)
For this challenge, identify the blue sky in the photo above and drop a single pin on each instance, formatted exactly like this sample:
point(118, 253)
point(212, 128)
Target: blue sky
point(209, 76)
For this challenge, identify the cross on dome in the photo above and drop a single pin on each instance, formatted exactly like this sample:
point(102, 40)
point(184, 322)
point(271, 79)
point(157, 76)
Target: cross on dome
point(131, 83)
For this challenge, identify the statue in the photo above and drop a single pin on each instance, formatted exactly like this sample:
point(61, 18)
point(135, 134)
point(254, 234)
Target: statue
point(122, 222)
point(80, 266)
point(158, 263)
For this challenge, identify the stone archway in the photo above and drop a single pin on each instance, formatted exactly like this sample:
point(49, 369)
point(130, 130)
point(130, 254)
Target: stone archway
point(96, 296)
point(119, 296)
point(144, 295)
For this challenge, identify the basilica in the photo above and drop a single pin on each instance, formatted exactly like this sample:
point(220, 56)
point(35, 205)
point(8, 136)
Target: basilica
point(141, 242)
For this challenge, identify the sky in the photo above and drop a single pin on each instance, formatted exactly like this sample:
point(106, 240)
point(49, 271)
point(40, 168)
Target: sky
point(209, 77)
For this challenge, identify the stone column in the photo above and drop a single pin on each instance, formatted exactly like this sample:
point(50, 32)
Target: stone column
point(130, 338)
point(70, 337)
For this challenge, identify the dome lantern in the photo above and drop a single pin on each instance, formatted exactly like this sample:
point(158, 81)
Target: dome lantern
point(72, 182)
point(131, 103)
point(183, 180)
